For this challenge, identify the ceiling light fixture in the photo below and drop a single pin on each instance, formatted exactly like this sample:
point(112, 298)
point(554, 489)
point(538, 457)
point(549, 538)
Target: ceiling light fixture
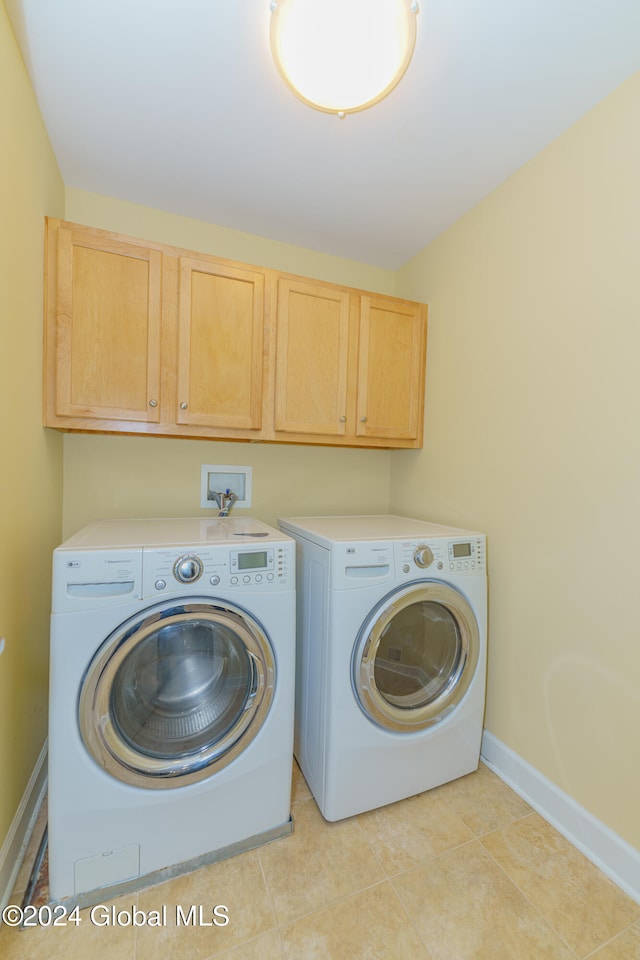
point(340, 56)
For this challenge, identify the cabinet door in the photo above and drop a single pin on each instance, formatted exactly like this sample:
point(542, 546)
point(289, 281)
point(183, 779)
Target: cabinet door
point(108, 303)
point(391, 369)
point(220, 345)
point(311, 358)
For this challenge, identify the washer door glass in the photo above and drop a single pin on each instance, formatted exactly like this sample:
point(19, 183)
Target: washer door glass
point(415, 656)
point(171, 698)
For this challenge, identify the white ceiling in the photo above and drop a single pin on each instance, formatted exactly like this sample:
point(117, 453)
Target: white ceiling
point(176, 104)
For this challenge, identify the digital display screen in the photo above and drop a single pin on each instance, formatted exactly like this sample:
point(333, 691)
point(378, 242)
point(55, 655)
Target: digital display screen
point(461, 550)
point(252, 561)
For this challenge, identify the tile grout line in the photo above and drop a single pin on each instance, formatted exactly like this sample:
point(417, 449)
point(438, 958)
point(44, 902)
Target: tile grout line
point(136, 894)
point(477, 840)
point(609, 942)
point(534, 813)
point(345, 899)
point(370, 886)
point(375, 855)
point(389, 880)
point(523, 894)
point(268, 889)
point(512, 822)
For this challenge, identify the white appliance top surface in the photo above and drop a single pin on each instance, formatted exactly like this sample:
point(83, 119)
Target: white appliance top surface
point(328, 530)
point(175, 531)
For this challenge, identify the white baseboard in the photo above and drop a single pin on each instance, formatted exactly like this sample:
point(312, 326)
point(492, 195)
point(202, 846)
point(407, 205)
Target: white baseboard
point(609, 852)
point(17, 839)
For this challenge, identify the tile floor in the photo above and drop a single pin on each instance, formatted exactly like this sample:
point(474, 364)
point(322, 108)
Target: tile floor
point(465, 872)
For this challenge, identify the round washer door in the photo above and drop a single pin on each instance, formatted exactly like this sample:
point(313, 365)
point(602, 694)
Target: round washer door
point(415, 656)
point(175, 695)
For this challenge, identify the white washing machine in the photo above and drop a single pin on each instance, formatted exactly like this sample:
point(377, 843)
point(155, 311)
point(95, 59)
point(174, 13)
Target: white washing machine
point(391, 659)
point(171, 698)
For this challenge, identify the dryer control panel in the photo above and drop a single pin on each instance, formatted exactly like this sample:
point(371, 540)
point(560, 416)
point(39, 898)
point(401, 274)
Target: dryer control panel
point(466, 554)
point(421, 556)
point(437, 557)
point(363, 563)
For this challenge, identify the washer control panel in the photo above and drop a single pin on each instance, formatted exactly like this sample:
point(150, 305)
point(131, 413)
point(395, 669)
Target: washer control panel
point(260, 567)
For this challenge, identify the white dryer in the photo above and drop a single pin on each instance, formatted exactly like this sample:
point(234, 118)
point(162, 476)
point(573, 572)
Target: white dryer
point(391, 660)
point(171, 698)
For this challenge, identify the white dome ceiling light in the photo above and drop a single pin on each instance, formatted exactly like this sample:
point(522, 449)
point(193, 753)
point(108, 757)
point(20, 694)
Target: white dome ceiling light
point(341, 56)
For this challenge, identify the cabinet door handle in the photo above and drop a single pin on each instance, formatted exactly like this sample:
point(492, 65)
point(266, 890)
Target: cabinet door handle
point(343, 419)
point(183, 405)
point(153, 403)
point(363, 419)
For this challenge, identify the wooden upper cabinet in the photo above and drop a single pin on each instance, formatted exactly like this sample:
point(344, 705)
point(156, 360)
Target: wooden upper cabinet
point(141, 337)
point(107, 310)
point(220, 345)
point(391, 369)
point(311, 358)
point(349, 366)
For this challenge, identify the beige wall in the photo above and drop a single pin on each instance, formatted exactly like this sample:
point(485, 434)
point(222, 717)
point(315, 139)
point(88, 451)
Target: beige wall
point(152, 477)
point(31, 479)
point(94, 210)
point(129, 476)
point(532, 434)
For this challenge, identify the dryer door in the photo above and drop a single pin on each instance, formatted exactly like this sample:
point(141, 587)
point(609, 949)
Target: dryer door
point(173, 696)
point(415, 656)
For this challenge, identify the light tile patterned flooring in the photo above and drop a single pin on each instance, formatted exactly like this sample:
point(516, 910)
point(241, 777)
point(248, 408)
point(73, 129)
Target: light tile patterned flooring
point(464, 872)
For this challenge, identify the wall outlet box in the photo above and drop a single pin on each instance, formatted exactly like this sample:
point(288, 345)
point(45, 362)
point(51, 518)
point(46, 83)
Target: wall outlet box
point(215, 478)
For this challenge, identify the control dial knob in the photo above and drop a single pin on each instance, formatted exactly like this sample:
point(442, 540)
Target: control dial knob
point(423, 555)
point(188, 569)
